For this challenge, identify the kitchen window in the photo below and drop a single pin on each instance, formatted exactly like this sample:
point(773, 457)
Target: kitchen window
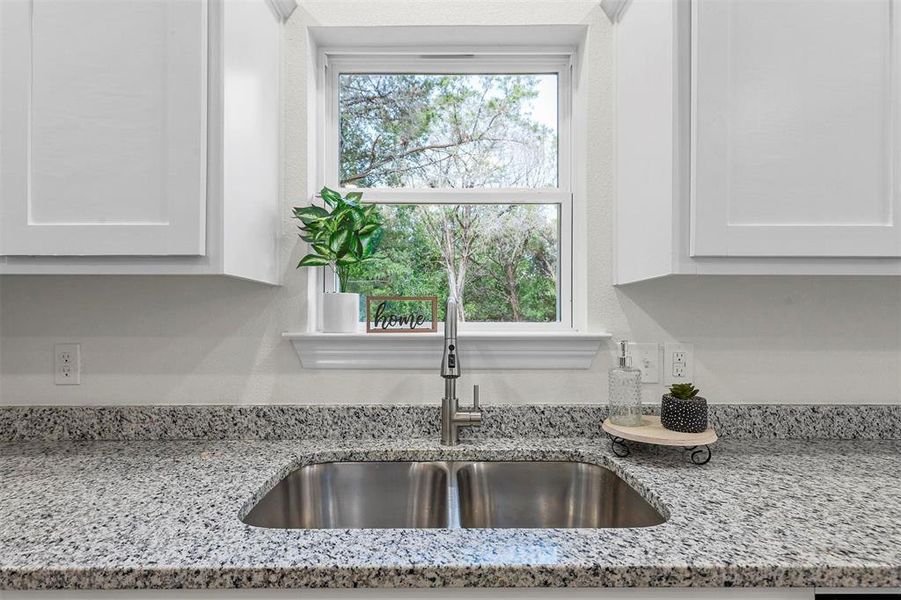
point(468, 156)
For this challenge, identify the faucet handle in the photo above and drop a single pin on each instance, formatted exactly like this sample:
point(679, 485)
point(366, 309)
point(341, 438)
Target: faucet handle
point(475, 397)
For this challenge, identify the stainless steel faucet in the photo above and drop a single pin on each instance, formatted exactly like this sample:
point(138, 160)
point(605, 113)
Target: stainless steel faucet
point(452, 418)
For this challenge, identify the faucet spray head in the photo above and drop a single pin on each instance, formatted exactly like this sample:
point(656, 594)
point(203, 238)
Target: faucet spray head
point(450, 318)
point(450, 363)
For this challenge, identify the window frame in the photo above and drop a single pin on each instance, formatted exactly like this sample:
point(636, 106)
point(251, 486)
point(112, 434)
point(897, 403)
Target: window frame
point(557, 61)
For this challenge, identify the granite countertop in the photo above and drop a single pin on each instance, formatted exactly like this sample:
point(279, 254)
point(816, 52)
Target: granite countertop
point(164, 514)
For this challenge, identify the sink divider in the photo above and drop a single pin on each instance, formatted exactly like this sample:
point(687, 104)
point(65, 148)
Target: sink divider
point(453, 497)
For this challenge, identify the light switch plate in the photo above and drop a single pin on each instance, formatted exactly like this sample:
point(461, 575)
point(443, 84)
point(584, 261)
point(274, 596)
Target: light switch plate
point(647, 358)
point(678, 363)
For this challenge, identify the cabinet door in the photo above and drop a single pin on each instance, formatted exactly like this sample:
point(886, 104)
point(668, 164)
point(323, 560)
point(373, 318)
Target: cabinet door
point(103, 114)
point(795, 128)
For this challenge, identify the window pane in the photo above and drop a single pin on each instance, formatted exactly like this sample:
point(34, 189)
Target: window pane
point(502, 260)
point(448, 131)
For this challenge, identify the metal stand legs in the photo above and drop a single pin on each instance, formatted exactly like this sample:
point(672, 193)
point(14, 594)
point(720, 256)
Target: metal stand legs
point(698, 455)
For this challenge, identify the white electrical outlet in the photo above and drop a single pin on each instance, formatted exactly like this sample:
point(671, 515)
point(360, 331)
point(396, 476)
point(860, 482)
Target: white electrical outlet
point(647, 358)
point(67, 364)
point(678, 363)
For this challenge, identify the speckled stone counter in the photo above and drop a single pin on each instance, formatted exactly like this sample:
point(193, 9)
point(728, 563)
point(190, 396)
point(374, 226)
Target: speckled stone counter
point(380, 421)
point(163, 514)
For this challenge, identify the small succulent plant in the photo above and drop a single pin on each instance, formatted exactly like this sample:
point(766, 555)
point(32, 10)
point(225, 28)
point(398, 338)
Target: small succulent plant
point(683, 391)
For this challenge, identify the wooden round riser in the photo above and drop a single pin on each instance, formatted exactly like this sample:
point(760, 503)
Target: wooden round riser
point(696, 445)
point(652, 432)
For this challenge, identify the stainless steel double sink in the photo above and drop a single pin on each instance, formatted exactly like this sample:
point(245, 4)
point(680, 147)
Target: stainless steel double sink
point(443, 494)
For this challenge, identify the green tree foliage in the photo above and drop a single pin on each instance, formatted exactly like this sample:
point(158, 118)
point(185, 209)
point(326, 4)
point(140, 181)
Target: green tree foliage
point(443, 131)
point(455, 131)
point(513, 264)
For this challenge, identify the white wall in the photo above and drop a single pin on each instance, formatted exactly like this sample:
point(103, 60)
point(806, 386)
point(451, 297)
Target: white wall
point(215, 340)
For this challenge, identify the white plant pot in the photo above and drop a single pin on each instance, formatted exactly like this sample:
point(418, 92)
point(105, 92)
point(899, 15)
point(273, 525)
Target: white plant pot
point(340, 312)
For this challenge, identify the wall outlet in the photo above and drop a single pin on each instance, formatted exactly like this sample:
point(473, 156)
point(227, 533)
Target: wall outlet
point(647, 358)
point(67, 364)
point(678, 363)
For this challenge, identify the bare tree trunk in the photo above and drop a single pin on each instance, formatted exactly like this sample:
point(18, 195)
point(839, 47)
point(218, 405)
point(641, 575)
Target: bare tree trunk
point(512, 288)
point(507, 258)
point(456, 232)
point(547, 264)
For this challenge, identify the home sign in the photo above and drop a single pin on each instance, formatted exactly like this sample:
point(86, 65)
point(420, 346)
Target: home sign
point(401, 314)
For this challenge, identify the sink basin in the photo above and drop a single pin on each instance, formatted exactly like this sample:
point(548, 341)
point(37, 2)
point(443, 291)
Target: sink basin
point(548, 494)
point(357, 495)
point(438, 494)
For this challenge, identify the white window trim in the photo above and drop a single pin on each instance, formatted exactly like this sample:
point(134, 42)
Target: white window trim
point(332, 62)
point(563, 345)
point(479, 350)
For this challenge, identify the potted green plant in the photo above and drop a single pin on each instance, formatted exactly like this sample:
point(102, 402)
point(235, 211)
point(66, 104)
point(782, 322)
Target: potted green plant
point(340, 238)
point(683, 410)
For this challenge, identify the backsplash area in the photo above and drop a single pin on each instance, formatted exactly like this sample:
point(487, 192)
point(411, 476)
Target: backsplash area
point(359, 422)
point(174, 341)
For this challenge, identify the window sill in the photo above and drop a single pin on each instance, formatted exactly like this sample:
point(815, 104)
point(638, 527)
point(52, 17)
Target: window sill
point(478, 350)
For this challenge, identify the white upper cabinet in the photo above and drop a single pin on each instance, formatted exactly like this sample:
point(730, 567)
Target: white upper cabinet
point(758, 137)
point(796, 145)
point(141, 137)
point(104, 112)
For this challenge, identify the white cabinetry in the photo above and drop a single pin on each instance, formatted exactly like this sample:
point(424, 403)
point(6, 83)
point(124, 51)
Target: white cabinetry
point(761, 137)
point(796, 136)
point(140, 137)
point(104, 118)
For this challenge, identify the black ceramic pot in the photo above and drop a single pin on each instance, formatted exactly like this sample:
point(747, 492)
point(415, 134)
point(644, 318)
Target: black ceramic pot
point(687, 416)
